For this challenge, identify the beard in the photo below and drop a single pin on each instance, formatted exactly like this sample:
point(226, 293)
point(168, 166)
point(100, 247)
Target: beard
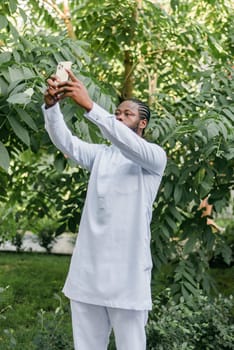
point(135, 127)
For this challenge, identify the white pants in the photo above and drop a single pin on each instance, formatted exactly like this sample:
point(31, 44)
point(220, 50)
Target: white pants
point(92, 325)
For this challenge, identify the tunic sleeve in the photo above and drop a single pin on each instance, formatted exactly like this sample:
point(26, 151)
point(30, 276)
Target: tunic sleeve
point(148, 155)
point(81, 152)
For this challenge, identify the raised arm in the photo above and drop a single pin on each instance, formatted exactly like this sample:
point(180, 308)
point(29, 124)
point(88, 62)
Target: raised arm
point(81, 152)
point(150, 156)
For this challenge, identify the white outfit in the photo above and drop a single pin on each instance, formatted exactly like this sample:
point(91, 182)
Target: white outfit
point(92, 325)
point(111, 263)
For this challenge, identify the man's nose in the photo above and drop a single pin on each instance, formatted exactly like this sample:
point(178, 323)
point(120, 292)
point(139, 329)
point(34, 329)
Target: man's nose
point(120, 117)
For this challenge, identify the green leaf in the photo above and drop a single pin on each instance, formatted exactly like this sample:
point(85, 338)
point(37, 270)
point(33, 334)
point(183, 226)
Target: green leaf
point(190, 244)
point(188, 277)
point(226, 254)
point(14, 31)
point(209, 240)
point(3, 22)
point(28, 73)
point(223, 130)
point(185, 292)
point(5, 57)
point(60, 162)
point(21, 132)
point(84, 129)
point(185, 129)
point(26, 118)
point(15, 74)
point(229, 114)
point(171, 222)
point(174, 211)
point(13, 5)
point(212, 130)
point(230, 154)
point(178, 194)
point(168, 188)
point(165, 231)
point(15, 87)
point(161, 258)
point(190, 288)
point(61, 229)
point(215, 46)
point(174, 4)
point(3, 86)
point(4, 157)
point(20, 98)
point(205, 188)
point(23, 15)
point(72, 224)
point(16, 56)
point(200, 176)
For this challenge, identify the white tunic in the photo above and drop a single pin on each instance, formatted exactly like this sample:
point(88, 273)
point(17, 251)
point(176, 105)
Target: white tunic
point(111, 263)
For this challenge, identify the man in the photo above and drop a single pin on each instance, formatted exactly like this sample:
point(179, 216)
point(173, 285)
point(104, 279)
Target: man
point(109, 278)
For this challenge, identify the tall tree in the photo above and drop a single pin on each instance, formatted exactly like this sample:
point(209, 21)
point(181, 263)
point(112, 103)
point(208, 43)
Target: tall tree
point(179, 58)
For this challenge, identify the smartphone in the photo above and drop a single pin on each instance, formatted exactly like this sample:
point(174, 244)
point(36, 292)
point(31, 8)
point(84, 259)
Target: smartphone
point(61, 72)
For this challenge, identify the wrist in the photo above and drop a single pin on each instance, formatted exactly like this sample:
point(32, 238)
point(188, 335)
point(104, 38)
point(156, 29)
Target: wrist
point(47, 106)
point(89, 106)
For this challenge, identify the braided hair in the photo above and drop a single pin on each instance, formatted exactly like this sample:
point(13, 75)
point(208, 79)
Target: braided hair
point(144, 111)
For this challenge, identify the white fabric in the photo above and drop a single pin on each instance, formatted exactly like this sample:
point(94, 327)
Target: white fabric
point(92, 325)
point(111, 263)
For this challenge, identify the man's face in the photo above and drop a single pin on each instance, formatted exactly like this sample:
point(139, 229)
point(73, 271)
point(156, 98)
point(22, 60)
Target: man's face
point(127, 113)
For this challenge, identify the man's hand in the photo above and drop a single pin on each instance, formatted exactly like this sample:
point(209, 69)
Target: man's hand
point(50, 96)
point(74, 89)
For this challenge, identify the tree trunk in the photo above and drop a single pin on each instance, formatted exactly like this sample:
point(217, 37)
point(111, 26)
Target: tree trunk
point(64, 15)
point(127, 90)
point(128, 84)
point(67, 20)
point(152, 88)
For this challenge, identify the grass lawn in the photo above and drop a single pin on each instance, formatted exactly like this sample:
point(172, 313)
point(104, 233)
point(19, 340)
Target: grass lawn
point(34, 280)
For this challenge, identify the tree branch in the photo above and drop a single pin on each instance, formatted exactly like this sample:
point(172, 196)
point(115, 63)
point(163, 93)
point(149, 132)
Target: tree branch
point(64, 15)
point(55, 7)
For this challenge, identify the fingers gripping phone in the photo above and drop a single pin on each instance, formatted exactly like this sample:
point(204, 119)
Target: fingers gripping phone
point(61, 72)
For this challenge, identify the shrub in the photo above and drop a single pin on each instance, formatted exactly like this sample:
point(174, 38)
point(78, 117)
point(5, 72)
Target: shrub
point(51, 334)
point(8, 224)
point(224, 251)
point(7, 339)
point(45, 229)
point(197, 324)
point(17, 240)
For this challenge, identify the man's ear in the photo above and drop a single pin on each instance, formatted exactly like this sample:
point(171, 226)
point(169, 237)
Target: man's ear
point(143, 123)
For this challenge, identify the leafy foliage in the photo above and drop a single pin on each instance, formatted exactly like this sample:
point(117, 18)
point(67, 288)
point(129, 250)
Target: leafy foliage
point(7, 339)
point(179, 58)
point(195, 324)
point(26, 62)
point(199, 146)
point(51, 330)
